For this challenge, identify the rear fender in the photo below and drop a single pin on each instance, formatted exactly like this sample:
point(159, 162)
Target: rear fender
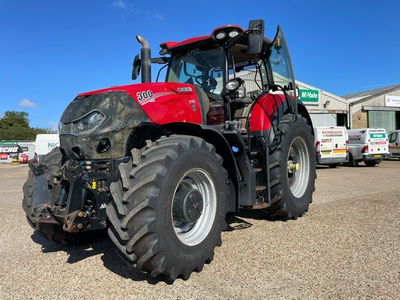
point(269, 108)
point(149, 131)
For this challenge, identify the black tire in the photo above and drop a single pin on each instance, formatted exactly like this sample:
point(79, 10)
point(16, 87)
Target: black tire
point(141, 211)
point(285, 205)
point(332, 166)
point(49, 166)
point(352, 162)
point(370, 163)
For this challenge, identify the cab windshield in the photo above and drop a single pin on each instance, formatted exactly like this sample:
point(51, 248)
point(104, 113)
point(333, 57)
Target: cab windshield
point(200, 66)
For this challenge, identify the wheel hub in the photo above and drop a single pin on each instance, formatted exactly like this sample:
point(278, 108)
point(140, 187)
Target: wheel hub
point(293, 167)
point(188, 205)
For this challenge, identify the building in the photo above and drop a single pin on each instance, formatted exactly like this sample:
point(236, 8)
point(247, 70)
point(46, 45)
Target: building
point(378, 108)
point(325, 109)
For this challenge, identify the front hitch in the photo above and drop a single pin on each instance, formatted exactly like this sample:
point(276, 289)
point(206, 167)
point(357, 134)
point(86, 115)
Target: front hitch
point(73, 196)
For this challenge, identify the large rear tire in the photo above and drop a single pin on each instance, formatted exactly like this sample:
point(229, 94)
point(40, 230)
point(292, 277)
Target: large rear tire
point(292, 168)
point(152, 224)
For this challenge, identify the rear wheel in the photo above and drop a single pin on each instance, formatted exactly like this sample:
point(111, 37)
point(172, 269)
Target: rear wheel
point(333, 166)
point(370, 163)
point(168, 209)
point(292, 168)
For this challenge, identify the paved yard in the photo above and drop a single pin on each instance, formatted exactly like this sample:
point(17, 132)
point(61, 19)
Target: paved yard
point(346, 246)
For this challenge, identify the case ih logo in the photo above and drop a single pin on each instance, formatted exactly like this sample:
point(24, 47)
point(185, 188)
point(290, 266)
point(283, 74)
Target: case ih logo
point(9, 149)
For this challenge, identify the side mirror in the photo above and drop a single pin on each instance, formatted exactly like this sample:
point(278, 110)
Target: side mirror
point(255, 37)
point(137, 62)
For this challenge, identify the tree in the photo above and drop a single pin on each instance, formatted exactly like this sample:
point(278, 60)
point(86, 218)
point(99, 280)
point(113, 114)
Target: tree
point(14, 125)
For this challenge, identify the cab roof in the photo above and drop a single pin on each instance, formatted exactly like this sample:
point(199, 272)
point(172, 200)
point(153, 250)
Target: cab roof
point(202, 40)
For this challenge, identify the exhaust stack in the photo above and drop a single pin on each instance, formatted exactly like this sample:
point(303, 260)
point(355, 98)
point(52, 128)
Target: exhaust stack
point(145, 55)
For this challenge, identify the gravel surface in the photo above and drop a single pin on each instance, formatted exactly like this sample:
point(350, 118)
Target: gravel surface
point(346, 246)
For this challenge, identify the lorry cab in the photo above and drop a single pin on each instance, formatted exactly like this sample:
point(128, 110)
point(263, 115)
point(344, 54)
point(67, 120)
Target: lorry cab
point(331, 145)
point(394, 143)
point(369, 145)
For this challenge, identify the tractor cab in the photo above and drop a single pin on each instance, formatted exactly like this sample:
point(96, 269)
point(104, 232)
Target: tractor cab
point(230, 68)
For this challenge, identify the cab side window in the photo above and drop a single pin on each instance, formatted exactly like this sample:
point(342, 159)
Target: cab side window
point(254, 76)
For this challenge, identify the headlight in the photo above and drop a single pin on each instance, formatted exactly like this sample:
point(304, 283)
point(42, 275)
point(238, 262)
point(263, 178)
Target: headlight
point(88, 123)
point(233, 33)
point(220, 35)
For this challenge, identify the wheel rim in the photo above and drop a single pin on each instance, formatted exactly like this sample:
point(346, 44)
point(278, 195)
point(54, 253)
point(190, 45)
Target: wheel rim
point(298, 164)
point(193, 233)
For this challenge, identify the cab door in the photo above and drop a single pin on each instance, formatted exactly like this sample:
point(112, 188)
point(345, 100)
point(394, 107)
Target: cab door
point(281, 68)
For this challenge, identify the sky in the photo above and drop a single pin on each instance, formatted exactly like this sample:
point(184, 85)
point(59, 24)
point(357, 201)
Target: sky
point(52, 50)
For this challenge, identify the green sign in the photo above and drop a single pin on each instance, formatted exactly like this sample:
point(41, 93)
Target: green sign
point(309, 96)
point(8, 143)
point(377, 135)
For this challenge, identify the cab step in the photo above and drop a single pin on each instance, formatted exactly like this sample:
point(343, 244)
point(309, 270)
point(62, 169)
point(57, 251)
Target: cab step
point(260, 188)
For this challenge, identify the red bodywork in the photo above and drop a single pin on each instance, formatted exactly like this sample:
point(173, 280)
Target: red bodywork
point(178, 102)
point(170, 45)
point(169, 101)
point(205, 38)
point(264, 110)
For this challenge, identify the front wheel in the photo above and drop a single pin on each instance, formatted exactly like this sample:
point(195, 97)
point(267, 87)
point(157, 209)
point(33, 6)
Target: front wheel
point(370, 163)
point(168, 209)
point(292, 168)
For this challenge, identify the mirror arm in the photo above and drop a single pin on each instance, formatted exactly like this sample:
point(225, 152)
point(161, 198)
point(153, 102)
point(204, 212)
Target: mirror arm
point(160, 60)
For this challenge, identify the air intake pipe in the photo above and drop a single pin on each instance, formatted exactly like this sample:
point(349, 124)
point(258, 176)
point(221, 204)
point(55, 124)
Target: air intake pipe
point(145, 55)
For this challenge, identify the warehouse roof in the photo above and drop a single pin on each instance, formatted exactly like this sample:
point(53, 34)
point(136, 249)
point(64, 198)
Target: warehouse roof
point(366, 95)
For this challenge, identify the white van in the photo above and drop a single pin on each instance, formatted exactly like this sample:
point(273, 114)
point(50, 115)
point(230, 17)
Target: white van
point(394, 143)
point(45, 143)
point(331, 145)
point(369, 145)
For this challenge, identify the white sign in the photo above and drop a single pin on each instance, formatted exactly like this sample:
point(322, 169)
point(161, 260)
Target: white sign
point(393, 101)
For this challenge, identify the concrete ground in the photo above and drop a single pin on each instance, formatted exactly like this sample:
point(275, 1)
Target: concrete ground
point(346, 246)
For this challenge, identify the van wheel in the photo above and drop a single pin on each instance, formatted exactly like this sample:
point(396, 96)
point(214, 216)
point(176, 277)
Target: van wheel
point(292, 168)
point(352, 162)
point(371, 163)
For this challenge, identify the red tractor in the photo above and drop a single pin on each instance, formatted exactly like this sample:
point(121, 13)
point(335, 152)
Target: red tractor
point(160, 164)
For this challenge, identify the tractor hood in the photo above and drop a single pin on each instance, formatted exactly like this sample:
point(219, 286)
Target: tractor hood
point(97, 124)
